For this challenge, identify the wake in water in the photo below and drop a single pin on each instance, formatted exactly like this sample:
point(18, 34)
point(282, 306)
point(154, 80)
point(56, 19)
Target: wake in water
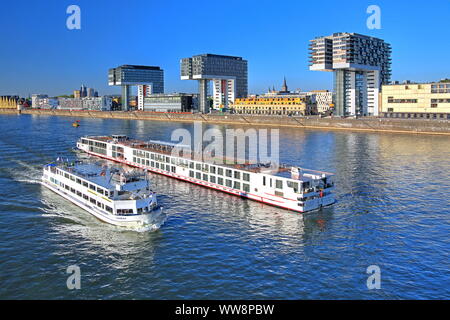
point(24, 172)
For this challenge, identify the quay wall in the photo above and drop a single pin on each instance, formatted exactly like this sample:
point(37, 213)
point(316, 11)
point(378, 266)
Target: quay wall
point(420, 126)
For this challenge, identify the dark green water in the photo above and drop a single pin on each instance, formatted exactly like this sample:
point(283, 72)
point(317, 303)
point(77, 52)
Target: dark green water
point(393, 209)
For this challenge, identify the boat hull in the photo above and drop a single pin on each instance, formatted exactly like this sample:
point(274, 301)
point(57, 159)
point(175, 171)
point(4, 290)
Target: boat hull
point(135, 221)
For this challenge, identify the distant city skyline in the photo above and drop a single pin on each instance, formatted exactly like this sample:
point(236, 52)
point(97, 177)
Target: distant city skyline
point(43, 56)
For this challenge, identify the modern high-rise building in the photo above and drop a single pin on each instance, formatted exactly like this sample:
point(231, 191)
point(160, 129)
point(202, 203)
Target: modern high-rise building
point(361, 64)
point(132, 75)
point(83, 91)
point(228, 73)
point(90, 93)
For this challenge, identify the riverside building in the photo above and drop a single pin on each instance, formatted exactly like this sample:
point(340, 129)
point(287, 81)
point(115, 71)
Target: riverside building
point(88, 103)
point(275, 105)
point(176, 102)
point(416, 100)
point(361, 65)
point(228, 73)
point(8, 102)
point(43, 101)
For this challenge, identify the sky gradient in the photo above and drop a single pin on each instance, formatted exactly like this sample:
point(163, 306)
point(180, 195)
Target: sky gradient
point(38, 54)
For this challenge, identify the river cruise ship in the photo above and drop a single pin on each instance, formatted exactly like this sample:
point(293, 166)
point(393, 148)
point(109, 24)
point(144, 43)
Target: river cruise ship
point(112, 195)
point(287, 187)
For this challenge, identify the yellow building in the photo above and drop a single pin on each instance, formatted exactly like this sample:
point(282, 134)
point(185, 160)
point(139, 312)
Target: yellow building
point(278, 105)
point(421, 100)
point(7, 102)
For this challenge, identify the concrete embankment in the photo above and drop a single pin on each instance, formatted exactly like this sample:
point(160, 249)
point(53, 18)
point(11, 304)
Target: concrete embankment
point(422, 126)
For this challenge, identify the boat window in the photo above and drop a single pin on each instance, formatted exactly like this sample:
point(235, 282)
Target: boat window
point(109, 209)
point(237, 185)
point(91, 200)
point(198, 175)
point(152, 164)
point(264, 181)
point(152, 156)
point(246, 176)
point(229, 183)
point(85, 184)
point(220, 181)
point(100, 190)
point(279, 184)
point(220, 171)
point(198, 166)
point(205, 177)
point(293, 185)
point(212, 169)
point(212, 179)
point(305, 185)
point(191, 173)
point(246, 187)
point(228, 173)
point(237, 175)
point(191, 165)
point(92, 187)
point(78, 181)
point(124, 211)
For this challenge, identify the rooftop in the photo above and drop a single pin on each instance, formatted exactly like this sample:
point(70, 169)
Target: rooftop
point(130, 66)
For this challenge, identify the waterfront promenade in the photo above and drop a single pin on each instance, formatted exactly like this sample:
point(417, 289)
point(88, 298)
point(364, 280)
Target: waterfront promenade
point(417, 126)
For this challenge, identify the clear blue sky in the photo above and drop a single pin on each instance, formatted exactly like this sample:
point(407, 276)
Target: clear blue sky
point(38, 54)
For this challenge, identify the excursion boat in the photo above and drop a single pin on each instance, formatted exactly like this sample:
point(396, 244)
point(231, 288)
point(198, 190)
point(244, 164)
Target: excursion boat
point(287, 187)
point(113, 196)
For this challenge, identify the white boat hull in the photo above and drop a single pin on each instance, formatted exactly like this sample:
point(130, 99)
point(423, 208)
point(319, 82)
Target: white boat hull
point(132, 221)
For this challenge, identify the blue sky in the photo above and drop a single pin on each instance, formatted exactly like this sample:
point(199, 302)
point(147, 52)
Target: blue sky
point(38, 54)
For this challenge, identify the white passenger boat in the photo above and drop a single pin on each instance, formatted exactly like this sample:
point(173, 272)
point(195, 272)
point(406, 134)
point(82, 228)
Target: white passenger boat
point(112, 195)
point(287, 187)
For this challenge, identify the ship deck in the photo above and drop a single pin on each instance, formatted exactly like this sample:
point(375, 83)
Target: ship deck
point(93, 173)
